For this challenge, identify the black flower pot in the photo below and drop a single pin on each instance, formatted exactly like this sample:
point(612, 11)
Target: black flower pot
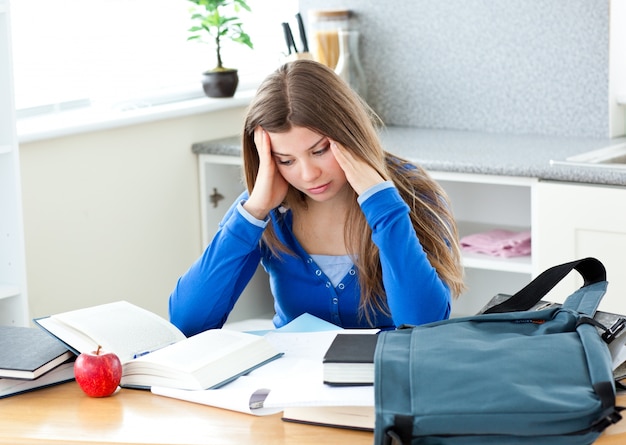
point(221, 83)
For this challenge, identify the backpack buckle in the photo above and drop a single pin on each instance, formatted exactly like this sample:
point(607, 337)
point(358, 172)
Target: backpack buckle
point(611, 333)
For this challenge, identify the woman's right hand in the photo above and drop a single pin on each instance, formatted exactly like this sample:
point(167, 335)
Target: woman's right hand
point(270, 188)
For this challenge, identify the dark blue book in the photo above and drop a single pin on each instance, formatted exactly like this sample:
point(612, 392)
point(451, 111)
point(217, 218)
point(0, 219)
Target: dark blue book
point(28, 353)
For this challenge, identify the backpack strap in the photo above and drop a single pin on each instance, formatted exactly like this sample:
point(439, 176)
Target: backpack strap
point(401, 432)
point(586, 299)
point(591, 269)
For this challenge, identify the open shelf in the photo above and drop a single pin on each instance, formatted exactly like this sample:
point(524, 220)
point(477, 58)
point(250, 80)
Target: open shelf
point(521, 264)
point(481, 203)
point(514, 264)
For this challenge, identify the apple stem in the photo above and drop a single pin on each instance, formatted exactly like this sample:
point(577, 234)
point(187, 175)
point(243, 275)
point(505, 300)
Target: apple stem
point(98, 350)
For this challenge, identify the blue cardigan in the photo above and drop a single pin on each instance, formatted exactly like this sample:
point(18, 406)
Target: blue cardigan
point(207, 292)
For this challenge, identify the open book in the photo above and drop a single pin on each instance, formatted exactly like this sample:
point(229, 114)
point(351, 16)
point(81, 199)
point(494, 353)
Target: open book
point(154, 352)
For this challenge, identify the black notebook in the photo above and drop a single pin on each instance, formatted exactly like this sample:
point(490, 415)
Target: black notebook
point(349, 360)
point(28, 353)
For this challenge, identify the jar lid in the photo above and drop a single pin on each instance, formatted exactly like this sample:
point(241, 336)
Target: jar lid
point(330, 14)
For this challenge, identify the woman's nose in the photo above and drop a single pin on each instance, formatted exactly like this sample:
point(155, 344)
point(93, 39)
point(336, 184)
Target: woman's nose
point(309, 171)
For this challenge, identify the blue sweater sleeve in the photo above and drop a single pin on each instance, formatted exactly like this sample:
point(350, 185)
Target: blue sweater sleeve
point(415, 292)
point(206, 293)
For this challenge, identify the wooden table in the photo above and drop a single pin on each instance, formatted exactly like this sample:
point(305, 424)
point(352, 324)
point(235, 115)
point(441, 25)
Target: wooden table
point(63, 414)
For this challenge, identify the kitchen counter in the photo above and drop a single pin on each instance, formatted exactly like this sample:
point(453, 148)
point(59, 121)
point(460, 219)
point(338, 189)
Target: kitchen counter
point(478, 153)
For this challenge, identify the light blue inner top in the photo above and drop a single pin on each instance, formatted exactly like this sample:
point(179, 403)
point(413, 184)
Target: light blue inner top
point(334, 266)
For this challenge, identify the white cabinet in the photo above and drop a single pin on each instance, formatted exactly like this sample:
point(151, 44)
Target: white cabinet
point(580, 220)
point(13, 299)
point(480, 203)
point(567, 221)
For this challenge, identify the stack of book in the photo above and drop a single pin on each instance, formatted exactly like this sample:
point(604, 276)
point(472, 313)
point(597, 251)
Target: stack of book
point(349, 361)
point(31, 359)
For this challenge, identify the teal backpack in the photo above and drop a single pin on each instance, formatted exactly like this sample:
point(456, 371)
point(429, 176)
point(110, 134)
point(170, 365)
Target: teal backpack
point(506, 378)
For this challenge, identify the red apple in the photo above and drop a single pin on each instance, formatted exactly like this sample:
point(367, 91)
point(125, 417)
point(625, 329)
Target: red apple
point(98, 373)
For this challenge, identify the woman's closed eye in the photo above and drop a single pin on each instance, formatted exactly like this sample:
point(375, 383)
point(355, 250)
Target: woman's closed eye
point(281, 161)
point(322, 150)
point(286, 160)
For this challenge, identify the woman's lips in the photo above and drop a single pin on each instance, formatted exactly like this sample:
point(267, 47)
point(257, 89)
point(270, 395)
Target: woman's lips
point(319, 189)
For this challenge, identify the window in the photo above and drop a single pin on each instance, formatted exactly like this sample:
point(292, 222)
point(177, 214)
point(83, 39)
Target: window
point(70, 53)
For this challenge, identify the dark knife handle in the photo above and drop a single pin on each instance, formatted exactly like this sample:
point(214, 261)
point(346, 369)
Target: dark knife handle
point(287, 31)
point(305, 45)
point(291, 39)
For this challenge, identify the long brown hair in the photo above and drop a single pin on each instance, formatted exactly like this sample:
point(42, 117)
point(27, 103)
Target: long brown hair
point(307, 94)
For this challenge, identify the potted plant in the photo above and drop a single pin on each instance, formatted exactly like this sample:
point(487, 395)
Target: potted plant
point(214, 22)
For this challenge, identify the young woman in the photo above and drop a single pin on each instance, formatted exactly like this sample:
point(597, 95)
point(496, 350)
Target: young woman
point(346, 231)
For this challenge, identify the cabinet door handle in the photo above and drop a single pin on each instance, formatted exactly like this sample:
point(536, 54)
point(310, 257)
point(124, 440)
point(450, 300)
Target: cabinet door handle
point(215, 197)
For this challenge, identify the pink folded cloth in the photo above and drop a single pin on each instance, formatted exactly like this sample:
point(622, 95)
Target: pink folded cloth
point(497, 242)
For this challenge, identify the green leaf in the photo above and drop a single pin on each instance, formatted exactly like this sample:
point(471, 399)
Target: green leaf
point(218, 19)
point(243, 4)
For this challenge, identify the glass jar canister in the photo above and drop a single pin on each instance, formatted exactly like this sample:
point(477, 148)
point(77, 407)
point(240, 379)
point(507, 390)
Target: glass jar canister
point(324, 28)
point(349, 64)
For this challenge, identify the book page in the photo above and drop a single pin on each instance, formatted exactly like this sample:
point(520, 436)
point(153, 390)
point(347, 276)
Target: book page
point(200, 350)
point(120, 327)
point(304, 386)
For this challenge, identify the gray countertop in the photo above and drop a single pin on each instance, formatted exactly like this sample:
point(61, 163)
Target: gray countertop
point(478, 153)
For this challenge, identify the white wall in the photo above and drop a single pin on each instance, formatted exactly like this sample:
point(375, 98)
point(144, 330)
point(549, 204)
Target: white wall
point(516, 67)
point(114, 214)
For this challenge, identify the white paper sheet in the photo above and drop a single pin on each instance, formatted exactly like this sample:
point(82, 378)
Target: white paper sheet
point(242, 395)
point(305, 387)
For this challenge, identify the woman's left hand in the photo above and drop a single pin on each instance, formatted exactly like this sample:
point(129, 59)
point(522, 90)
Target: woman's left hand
point(359, 174)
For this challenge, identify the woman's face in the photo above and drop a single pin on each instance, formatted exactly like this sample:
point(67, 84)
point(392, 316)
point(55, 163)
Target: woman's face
point(305, 160)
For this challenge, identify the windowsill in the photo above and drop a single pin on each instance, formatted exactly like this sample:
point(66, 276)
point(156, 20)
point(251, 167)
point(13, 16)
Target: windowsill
point(94, 119)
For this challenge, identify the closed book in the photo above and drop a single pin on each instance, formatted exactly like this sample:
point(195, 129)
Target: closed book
point(61, 373)
point(350, 417)
point(27, 353)
point(154, 352)
point(349, 360)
